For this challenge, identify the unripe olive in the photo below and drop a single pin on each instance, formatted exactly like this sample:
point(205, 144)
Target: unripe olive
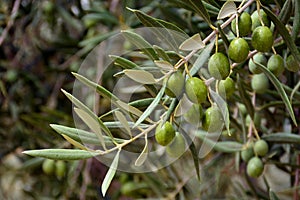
point(164, 134)
point(60, 169)
point(260, 83)
point(255, 167)
point(247, 153)
point(218, 66)
point(175, 84)
point(242, 109)
point(238, 50)
point(292, 64)
point(177, 147)
point(261, 148)
point(256, 120)
point(262, 39)
point(276, 64)
point(226, 87)
point(48, 166)
point(213, 119)
point(255, 19)
point(196, 90)
point(244, 24)
point(258, 58)
point(194, 114)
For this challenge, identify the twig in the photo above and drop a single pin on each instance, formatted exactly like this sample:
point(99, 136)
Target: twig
point(10, 21)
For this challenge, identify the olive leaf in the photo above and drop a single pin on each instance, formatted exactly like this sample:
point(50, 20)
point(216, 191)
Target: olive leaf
point(143, 156)
point(62, 154)
point(272, 195)
point(282, 138)
point(246, 100)
point(198, 6)
point(279, 88)
point(164, 65)
point(123, 62)
point(140, 76)
point(74, 142)
point(228, 9)
point(110, 174)
point(296, 21)
point(294, 91)
point(96, 39)
point(193, 43)
point(161, 53)
point(202, 58)
point(124, 122)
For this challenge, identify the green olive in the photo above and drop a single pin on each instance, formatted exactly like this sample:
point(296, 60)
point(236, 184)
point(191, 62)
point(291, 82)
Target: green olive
point(194, 114)
point(262, 39)
point(226, 87)
point(256, 21)
point(292, 64)
point(175, 84)
point(244, 24)
point(60, 169)
point(196, 90)
point(261, 148)
point(213, 119)
point(255, 167)
point(164, 134)
point(48, 166)
point(260, 83)
point(258, 58)
point(242, 109)
point(247, 153)
point(177, 147)
point(218, 66)
point(276, 64)
point(238, 50)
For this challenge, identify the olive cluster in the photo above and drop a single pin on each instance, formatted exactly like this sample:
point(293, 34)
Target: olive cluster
point(251, 154)
point(57, 167)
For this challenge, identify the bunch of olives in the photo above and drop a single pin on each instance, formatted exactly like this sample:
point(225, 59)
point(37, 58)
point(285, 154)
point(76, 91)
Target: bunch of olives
point(251, 154)
point(57, 167)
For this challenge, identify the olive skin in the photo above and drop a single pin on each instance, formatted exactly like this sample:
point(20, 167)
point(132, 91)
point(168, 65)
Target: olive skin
point(60, 169)
point(257, 58)
point(196, 90)
point(261, 148)
point(255, 167)
point(276, 64)
point(213, 119)
point(177, 147)
point(238, 50)
point(175, 84)
point(292, 64)
point(255, 19)
point(260, 83)
point(218, 66)
point(48, 166)
point(164, 134)
point(244, 24)
point(262, 39)
point(247, 154)
point(226, 87)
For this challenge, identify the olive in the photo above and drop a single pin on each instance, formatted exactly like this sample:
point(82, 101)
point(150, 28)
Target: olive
point(48, 166)
point(244, 24)
point(194, 114)
point(260, 83)
point(238, 50)
point(256, 21)
point(175, 84)
point(292, 64)
point(262, 39)
point(276, 64)
point(213, 119)
point(255, 167)
point(196, 90)
point(164, 134)
point(247, 153)
point(258, 58)
point(218, 66)
point(226, 87)
point(261, 148)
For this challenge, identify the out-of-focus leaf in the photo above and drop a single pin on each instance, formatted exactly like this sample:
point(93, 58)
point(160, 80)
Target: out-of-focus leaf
point(272, 195)
point(140, 76)
point(226, 146)
point(126, 107)
point(101, 16)
point(161, 53)
point(286, 12)
point(246, 100)
point(223, 36)
point(228, 9)
point(110, 174)
point(198, 6)
point(284, 33)
point(140, 43)
point(123, 62)
point(296, 21)
point(143, 156)
point(202, 58)
point(62, 154)
point(124, 122)
point(151, 107)
point(164, 65)
point(96, 39)
point(282, 138)
point(192, 43)
point(296, 88)
point(280, 90)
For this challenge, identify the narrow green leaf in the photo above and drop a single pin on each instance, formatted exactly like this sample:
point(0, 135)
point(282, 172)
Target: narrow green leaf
point(74, 142)
point(284, 33)
point(193, 43)
point(140, 76)
point(123, 62)
point(296, 21)
point(223, 36)
point(161, 53)
point(124, 122)
point(143, 156)
point(246, 100)
point(228, 9)
point(96, 39)
point(202, 58)
point(198, 6)
point(286, 12)
point(223, 108)
point(110, 174)
point(225, 147)
point(62, 154)
point(140, 43)
point(296, 88)
point(128, 108)
point(282, 138)
point(164, 65)
point(279, 88)
point(272, 195)
point(151, 107)
point(92, 123)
